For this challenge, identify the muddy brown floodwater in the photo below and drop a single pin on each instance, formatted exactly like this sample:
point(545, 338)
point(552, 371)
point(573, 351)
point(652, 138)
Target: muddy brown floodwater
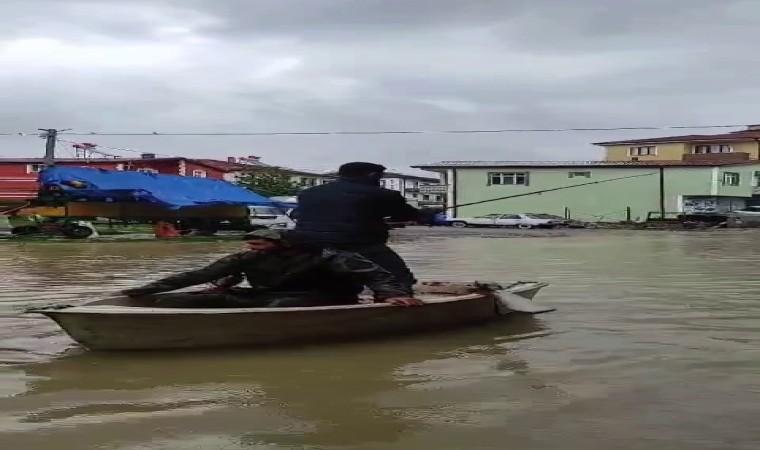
point(655, 346)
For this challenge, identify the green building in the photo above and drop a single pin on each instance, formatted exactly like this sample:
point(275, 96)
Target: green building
point(606, 191)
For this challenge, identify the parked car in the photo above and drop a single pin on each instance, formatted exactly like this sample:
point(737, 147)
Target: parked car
point(748, 217)
point(505, 220)
point(748, 211)
point(561, 221)
point(259, 217)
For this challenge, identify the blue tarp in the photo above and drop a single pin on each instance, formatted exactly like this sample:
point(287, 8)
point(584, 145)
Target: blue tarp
point(172, 191)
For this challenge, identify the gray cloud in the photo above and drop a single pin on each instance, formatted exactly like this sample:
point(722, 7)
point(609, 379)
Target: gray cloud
point(319, 65)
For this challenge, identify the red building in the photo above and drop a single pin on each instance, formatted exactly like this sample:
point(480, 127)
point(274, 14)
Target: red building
point(18, 176)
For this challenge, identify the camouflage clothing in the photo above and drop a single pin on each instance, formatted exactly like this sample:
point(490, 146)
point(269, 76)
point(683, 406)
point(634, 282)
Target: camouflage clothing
point(265, 233)
point(330, 276)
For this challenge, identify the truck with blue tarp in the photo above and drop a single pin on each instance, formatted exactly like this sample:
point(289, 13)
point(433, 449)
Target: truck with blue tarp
point(203, 204)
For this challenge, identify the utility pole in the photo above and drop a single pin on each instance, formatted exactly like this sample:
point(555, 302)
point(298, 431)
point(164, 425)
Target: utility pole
point(51, 136)
point(662, 193)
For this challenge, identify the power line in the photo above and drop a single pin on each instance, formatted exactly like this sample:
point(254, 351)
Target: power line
point(123, 149)
point(553, 189)
point(380, 132)
point(327, 133)
point(23, 134)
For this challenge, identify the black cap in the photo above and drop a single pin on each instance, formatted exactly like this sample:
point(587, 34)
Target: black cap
point(358, 169)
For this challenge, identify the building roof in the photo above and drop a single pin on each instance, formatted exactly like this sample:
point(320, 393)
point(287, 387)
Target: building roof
point(79, 160)
point(744, 135)
point(404, 176)
point(226, 166)
point(306, 172)
point(627, 164)
point(222, 166)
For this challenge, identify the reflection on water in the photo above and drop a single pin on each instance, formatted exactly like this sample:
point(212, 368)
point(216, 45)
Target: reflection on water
point(654, 346)
point(315, 397)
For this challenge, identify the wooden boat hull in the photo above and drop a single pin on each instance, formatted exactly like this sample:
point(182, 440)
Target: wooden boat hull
point(109, 326)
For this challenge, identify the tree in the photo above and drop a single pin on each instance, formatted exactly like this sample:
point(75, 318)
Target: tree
point(269, 183)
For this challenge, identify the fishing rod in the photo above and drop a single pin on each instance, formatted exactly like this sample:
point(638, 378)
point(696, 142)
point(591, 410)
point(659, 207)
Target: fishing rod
point(550, 190)
point(547, 190)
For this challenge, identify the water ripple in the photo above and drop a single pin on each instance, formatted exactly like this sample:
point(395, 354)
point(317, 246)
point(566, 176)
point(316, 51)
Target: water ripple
point(656, 336)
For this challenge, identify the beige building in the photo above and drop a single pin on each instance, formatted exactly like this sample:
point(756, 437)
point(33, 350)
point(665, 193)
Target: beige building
point(735, 146)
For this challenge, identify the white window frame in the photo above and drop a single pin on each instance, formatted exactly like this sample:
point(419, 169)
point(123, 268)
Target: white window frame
point(732, 179)
point(147, 170)
point(642, 150)
point(34, 168)
point(712, 149)
point(508, 178)
point(197, 173)
point(579, 174)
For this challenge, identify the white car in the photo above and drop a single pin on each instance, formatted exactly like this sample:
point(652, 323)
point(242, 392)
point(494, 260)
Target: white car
point(505, 220)
point(748, 211)
point(265, 216)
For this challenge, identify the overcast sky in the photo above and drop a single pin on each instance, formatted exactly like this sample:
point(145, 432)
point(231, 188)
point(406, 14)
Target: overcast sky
point(343, 65)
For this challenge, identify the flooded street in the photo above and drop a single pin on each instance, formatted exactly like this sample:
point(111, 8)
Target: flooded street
point(655, 346)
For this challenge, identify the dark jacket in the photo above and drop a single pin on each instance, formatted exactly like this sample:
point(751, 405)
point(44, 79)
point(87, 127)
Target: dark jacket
point(329, 272)
point(349, 211)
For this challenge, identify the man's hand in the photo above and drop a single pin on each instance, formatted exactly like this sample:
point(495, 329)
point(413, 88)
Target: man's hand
point(404, 301)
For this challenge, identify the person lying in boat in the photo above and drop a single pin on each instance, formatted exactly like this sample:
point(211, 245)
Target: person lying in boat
point(281, 274)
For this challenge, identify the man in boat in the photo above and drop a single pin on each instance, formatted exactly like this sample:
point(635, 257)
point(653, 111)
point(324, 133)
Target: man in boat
point(281, 273)
point(352, 214)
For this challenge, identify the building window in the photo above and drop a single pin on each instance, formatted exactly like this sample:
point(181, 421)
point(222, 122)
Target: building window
point(425, 197)
point(586, 174)
point(305, 181)
point(508, 178)
point(34, 168)
point(382, 183)
point(147, 170)
point(714, 148)
point(199, 173)
point(646, 150)
point(731, 179)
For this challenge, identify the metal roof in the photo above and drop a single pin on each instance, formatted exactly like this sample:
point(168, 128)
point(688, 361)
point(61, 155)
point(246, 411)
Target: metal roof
point(630, 164)
point(736, 136)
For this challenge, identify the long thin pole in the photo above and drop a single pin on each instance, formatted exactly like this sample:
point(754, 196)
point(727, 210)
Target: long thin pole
point(662, 193)
point(51, 136)
point(554, 189)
